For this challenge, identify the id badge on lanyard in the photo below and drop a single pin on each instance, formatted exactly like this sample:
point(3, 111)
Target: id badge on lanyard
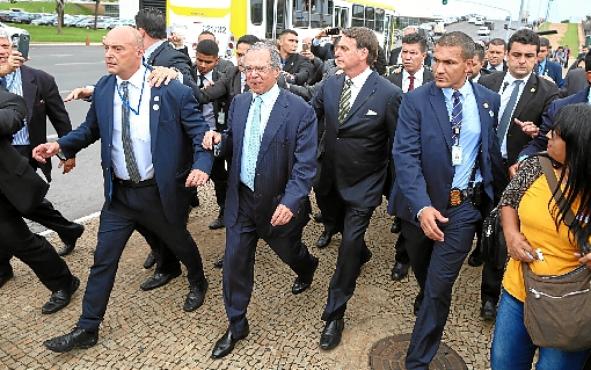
point(456, 155)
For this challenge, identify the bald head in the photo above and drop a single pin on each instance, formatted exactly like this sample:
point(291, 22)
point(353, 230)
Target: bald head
point(123, 51)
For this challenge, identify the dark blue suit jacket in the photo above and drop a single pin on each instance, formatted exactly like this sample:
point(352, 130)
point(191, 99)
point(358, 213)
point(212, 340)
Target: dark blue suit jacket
point(286, 163)
point(175, 125)
point(422, 151)
point(554, 71)
point(540, 142)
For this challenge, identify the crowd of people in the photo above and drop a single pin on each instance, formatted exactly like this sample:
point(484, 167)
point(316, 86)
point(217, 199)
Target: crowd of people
point(445, 135)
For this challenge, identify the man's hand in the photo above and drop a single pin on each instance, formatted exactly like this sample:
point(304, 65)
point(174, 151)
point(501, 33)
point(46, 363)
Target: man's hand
point(281, 216)
point(43, 151)
point(584, 260)
point(307, 54)
point(68, 165)
point(177, 40)
point(428, 220)
point(518, 247)
point(160, 75)
point(13, 62)
point(210, 139)
point(196, 178)
point(529, 128)
point(80, 93)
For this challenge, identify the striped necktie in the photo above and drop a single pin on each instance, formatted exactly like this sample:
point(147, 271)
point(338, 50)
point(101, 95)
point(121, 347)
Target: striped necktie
point(345, 102)
point(130, 162)
point(456, 117)
point(251, 145)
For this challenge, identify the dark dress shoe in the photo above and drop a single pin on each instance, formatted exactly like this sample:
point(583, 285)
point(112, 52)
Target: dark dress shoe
point(77, 338)
point(158, 279)
point(331, 335)
point(218, 223)
point(399, 271)
point(150, 261)
point(324, 239)
point(70, 243)
point(5, 277)
point(219, 263)
point(196, 296)
point(226, 343)
point(396, 227)
point(488, 311)
point(366, 256)
point(60, 298)
point(317, 217)
point(475, 259)
point(194, 202)
point(302, 283)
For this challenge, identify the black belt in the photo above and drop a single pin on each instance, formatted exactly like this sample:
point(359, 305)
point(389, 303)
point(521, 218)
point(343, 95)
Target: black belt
point(458, 196)
point(131, 184)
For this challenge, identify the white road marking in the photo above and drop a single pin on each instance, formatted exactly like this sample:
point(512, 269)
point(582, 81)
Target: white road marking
point(81, 220)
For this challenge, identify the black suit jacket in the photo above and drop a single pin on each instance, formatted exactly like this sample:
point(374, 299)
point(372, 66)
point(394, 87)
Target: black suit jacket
point(396, 77)
point(19, 183)
point(223, 91)
point(167, 56)
point(537, 94)
point(43, 100)
point(299, 66)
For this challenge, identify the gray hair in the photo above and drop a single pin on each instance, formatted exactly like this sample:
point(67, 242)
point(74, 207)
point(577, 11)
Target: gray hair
point(271, 48)
point(4, 35)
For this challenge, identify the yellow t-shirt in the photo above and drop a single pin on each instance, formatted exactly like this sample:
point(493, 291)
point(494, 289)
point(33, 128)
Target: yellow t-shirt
point(537, 225)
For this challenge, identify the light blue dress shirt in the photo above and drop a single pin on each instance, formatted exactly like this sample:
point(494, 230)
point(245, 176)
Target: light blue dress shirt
point(589, 97)
point(14, 84)
point(469, 135)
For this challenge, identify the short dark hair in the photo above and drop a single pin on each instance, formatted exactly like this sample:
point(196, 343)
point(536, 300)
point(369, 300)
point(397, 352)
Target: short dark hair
point(415, 38)
point(459, 39)
point(206, 32)
point(479, 51)
point(525, 36)
point(152, 21)
point(208, 47)
point(498, 41)
point(588, 62)
point(365, 38)
point(288, 31)
point(248, 39)
point(544, 42)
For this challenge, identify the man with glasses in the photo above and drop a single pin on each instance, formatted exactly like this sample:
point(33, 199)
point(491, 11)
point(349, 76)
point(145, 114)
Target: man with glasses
point(271, 143)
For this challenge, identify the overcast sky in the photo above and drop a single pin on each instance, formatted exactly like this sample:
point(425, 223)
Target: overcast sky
point(559, 9)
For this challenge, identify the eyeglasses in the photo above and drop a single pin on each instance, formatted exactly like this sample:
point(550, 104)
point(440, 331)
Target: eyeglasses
point(257, 69)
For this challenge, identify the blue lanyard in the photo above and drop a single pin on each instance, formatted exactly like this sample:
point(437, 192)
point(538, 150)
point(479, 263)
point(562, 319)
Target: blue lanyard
point(126, 101)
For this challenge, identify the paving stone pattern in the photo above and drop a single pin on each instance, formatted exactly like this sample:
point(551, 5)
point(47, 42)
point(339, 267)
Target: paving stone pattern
point(149, 330)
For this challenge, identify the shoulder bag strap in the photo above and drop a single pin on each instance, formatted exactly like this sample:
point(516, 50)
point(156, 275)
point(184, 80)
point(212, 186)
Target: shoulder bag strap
point(548, 169)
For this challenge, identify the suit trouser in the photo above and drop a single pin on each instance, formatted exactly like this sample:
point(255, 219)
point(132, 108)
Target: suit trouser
point(219, 176)
point(44, 214)
point(400, 253)
point(353, 252)
point(34, 250)
point(131, 207)
point(436, 266)
point(241, 242)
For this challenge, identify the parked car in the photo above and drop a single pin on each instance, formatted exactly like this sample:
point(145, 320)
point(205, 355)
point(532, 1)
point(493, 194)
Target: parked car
point(483, 31)
point(23, 17)
point(479, 22)
point(46, 20)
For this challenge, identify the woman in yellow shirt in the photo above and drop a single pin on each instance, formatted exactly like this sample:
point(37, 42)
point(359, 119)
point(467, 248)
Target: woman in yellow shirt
point(535, 233)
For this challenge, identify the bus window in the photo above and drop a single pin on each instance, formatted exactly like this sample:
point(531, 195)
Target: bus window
point(344, 19)
point(358, 16)
point(369, 18)
point(301, 13)
point(256, 12)
point(380, 15)
point(321, 13)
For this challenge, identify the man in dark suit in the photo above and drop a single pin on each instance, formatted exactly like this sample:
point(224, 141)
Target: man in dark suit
point(223, 66)
point(271, 140)
point(495, 54)
point(524, 98)
point(297, 68)
point(43, 101)
point(478, 69)
point(395, 54)
point(145, 133)
point(547, 68)
point(360, 109)
point(21, 191)
point(448, 172)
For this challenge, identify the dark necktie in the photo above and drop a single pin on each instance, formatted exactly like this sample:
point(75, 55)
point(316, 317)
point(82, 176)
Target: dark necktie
point(456, 117)
point(201, 81)
point(411, 83)
point(506, 117)
point(345, 102)
point(130, 162)
point(491, 68)
point(3, 84)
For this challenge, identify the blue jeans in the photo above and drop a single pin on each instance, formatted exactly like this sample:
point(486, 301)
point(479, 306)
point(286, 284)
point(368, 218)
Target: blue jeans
point(512, 348)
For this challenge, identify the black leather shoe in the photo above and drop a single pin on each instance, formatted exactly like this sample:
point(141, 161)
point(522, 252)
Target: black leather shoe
point(396, 228)
point(218, 223)
point(475, 259)
point(226, 343)
point(70, 243)
point(150, 261)
point(488, 311)
point(219, 263)
point(324, 239)
point(158, 279)
point(196, 296)
point(194, 202)
point(399, 271)
point(60, 298)
point(302, 283)
point(366, 257)
point(5, 277)
point(317, 217)
point(77, 338)
point(331, 334)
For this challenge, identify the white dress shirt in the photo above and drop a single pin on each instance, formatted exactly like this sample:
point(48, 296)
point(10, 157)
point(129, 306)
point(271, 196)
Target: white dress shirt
point(358, 82)
point(207, 109)
point(418, 79)
point(505, 92)
point(139, 127)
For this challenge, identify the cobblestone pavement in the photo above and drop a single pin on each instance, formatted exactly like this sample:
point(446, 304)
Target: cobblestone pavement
point(149, 330)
